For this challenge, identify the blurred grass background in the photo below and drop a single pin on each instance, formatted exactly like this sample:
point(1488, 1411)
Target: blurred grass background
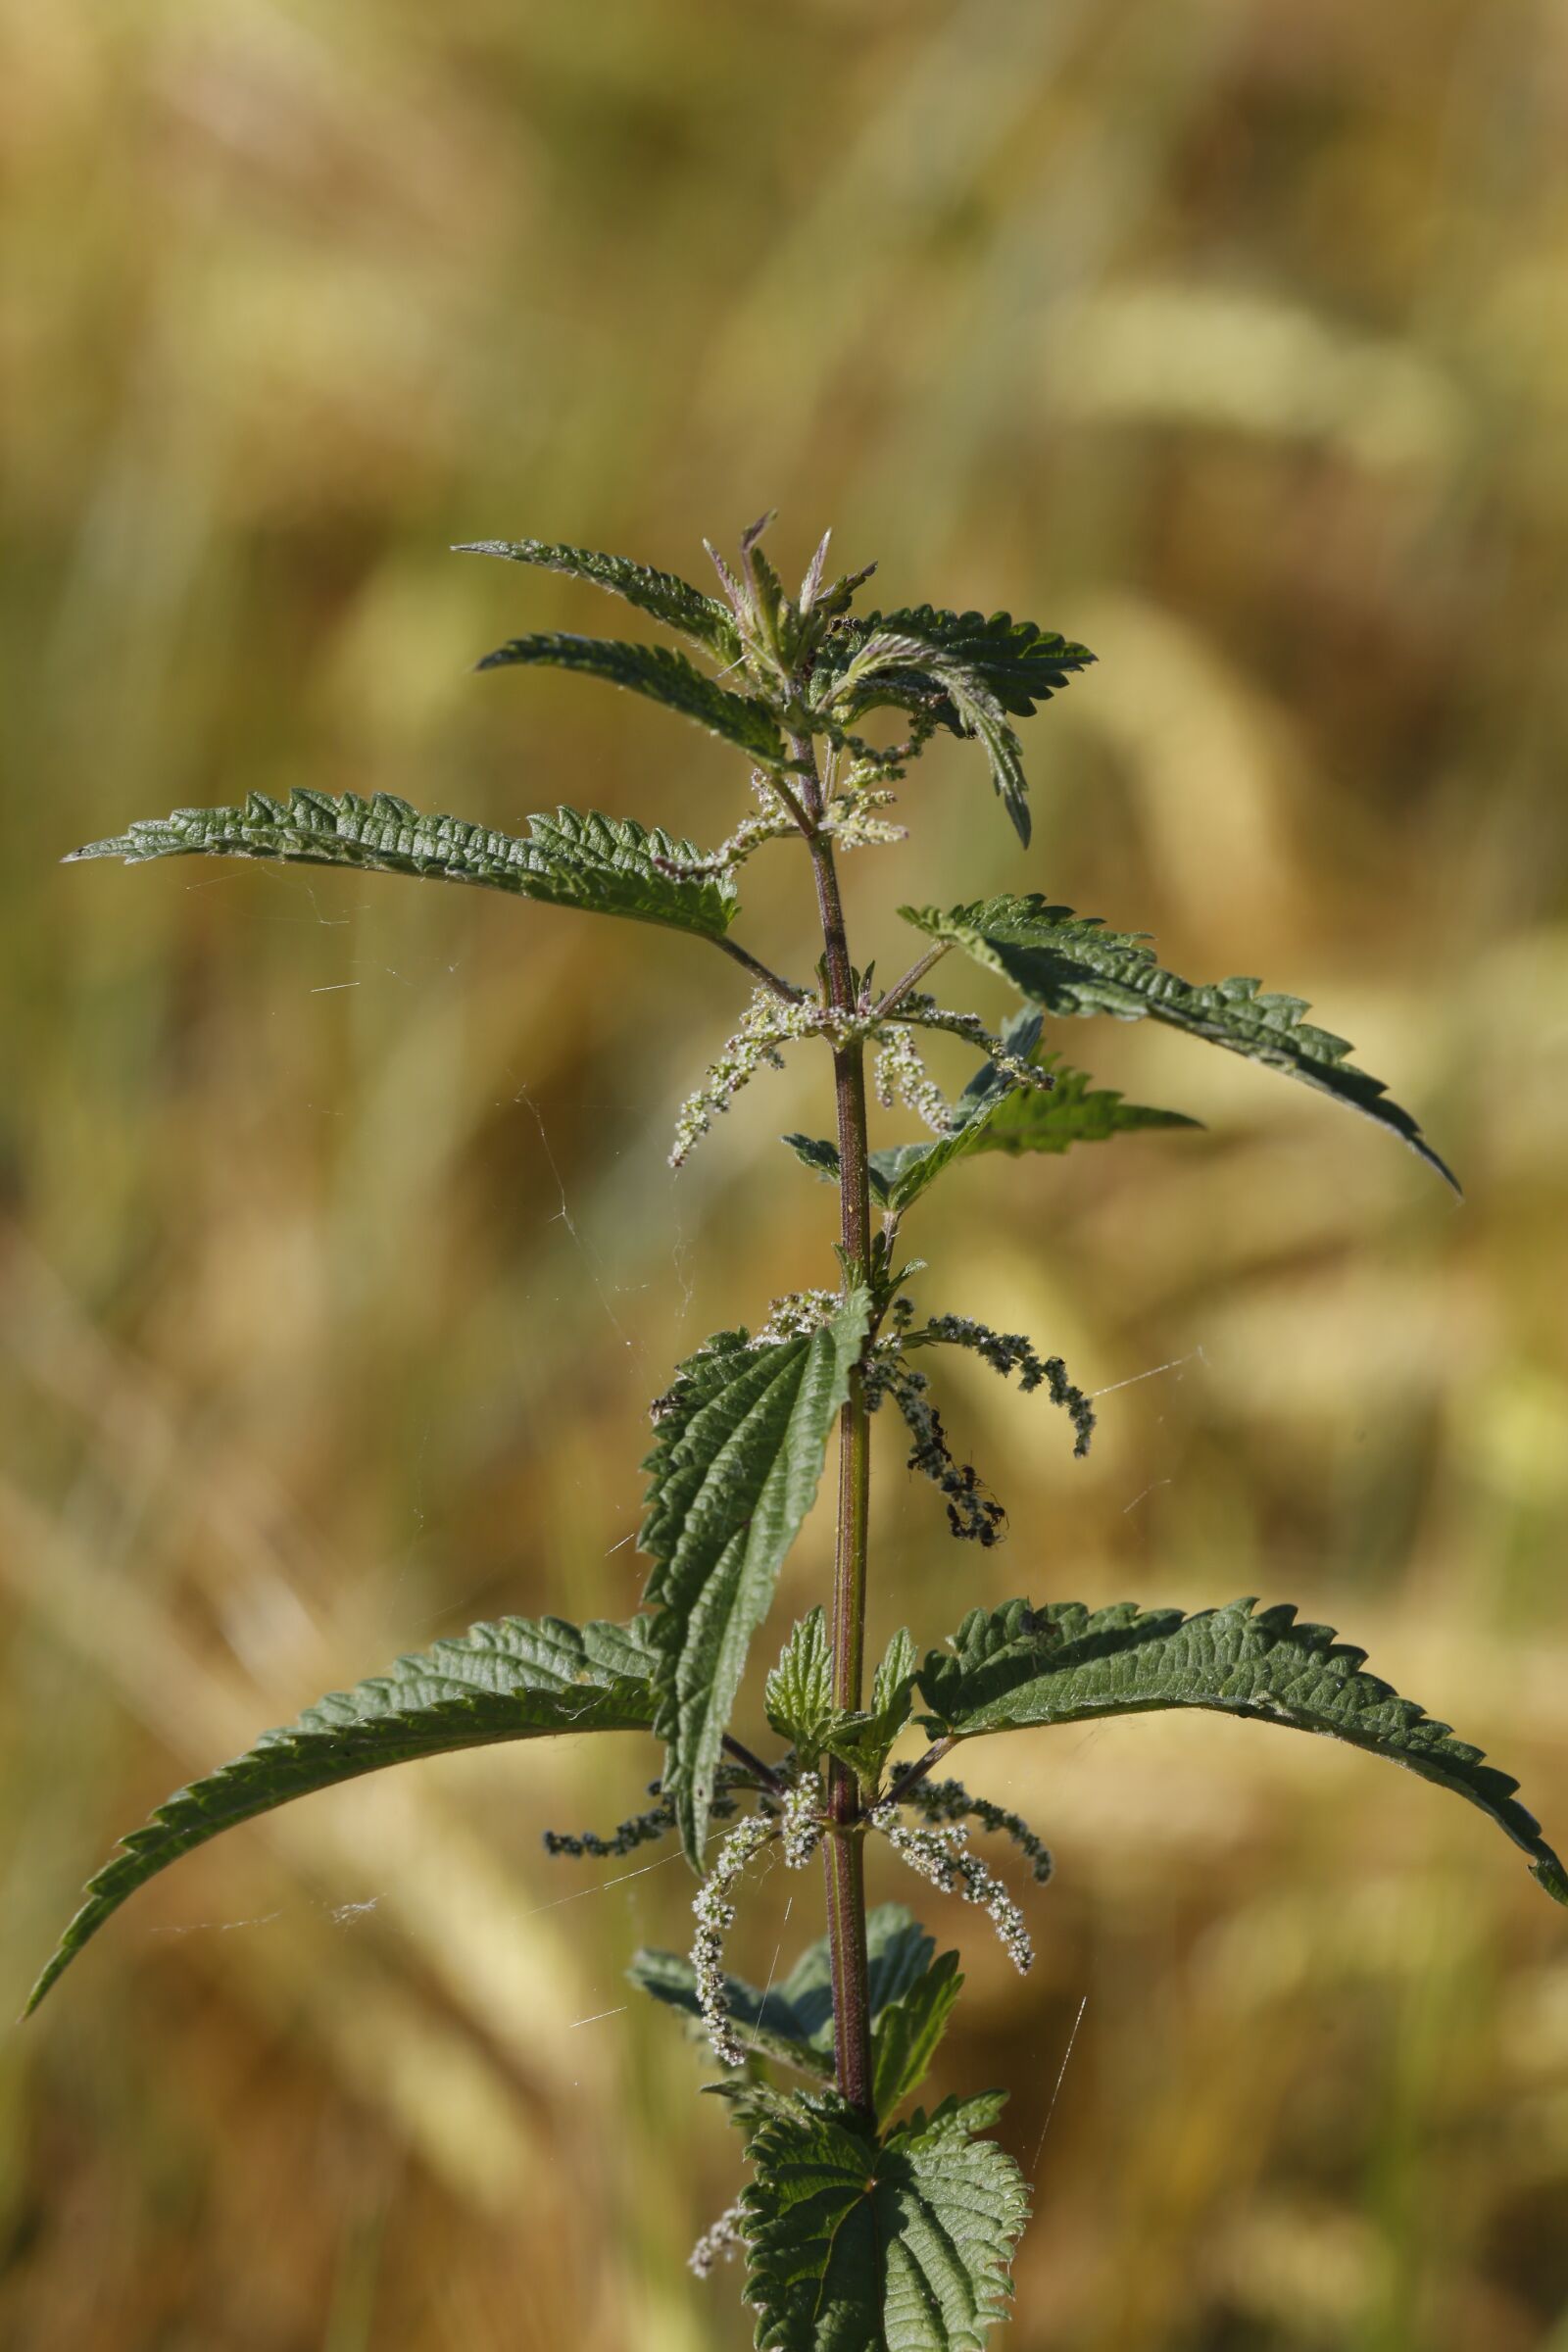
point(339, 1254)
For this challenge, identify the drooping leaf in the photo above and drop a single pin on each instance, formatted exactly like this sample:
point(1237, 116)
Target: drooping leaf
point(663, 594)
point(792, 2021)
point(798, 1696)
point(607, 865)
point(1021, 663)
point(519, 1678)
point(742, 1437)
point(1072, 964)
point(913, 673)
point(665, 676)
point(1014, 1667)
point(868, 2243)
point(909, 2032)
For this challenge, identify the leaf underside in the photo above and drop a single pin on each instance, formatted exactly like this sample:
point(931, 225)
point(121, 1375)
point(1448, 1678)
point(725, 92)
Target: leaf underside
point(663, 594)
point(663, 677)
point(603, 864)
point(519, 1678)
point(1014, 1667)
point(1019, 662)
point(898, 2243)
point(1070, 965)
point(742, 1437)
point(792, 2021)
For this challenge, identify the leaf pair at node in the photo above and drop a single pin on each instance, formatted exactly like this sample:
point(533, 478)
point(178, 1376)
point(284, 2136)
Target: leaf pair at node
point(1010, 1669)
point(800, 1704)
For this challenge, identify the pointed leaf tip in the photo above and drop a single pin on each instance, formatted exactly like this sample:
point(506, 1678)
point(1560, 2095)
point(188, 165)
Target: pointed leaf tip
point(1072, 965)
point(519, 1678)
point(601, 865)
point(663, 594)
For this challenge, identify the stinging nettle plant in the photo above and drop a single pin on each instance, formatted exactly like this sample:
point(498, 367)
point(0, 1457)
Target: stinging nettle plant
point(864, 2230)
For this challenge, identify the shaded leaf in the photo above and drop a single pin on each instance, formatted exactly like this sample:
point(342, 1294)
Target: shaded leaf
point(663, 677)
point(520, 1679)
point(739, 1456)
point(791, 2022)
point(607, 865)
point(663, 594)
point(1072, 964)
point(909, 2032)
point(867, 2242)
point(1014, 1667)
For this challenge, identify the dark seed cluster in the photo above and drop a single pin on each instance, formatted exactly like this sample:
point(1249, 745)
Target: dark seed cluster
point(1008, 1351)
point(974, 1515)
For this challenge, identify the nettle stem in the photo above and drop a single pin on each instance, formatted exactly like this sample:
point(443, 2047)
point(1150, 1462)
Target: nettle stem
point(842, 1854)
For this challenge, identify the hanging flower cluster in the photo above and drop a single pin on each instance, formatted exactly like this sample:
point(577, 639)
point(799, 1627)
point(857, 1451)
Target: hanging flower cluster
point(941, 1856)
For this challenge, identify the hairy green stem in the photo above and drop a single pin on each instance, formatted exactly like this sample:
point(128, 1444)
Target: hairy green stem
point(843, 1853)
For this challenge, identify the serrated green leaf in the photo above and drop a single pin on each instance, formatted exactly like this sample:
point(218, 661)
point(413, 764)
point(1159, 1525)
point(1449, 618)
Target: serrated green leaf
point(1018, 1119)
point(791, 2022)
point(863, 1740)
point(822, 1158)
point(798, 1696)
point(915, 673)
point(968, 673)
point(1074, 1112)
point(1015, 1667)
point(861, 2243)
point(909, 2032)
point(1072, 964)
point(893, 1679)
point(520, 1679)
point(663, 677)
point(604, 864)
point(742, 1437)
point(1021, 663)
point(663, 594)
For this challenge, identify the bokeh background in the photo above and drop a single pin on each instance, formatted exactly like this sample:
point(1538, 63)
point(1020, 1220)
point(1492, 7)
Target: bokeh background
point(339, 1253)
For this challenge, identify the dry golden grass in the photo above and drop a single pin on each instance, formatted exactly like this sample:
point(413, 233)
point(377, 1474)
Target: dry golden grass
point(339, 1254)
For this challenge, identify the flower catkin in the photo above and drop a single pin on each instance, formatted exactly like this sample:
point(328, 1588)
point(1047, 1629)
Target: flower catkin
point(714, 1913)
point(941, 1856)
